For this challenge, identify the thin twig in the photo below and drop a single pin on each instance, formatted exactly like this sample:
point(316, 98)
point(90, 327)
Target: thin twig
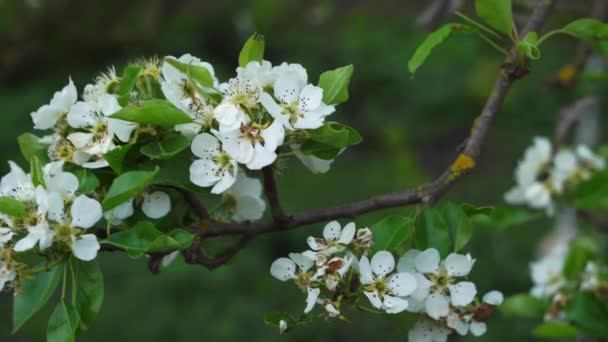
point(193, 201)
point(569, 116)
point(272, 193)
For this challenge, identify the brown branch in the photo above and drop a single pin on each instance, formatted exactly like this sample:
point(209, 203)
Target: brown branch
point(270, 189)
point(193, 201)
point(569, 117)
point(196, 255)
point(593, 220)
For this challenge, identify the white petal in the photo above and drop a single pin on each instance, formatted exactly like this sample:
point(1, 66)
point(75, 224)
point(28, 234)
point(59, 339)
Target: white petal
point(122, 211)
point(273, 136)
point(271, 106)
point(407, 262)
point(204, 172)
point(63, 183)
point(332, 231)
point(262, 157)
point(311, 299)
point(65, 98)
point(310, 98)
point(437, 306)
point(85, 212)
point(331, 310)
point(315, 244)
point(426, 330)
point(205, 146)
point(463, 293)
point(365, 271)
point(394, 305)
point(97, 164)
point(428, 261)
point(228, 178)
point(156, 204)
point(493, 298)
point(374, 299)
point(81, 140)
point(478, 328)
point(303, 262)
point(402, 284)
point(458, 265)
point(108, 104)
point(46, 117)
point(456, 322)
point(56, 210)
point(121, 129)
point(282, 326)
point(348, 233)
point(382, 263)
point(85, 247)
point(283, 269)
point(82, 115)
point(287, 88)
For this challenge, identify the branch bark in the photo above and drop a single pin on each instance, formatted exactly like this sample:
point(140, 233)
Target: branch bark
point(272, 194)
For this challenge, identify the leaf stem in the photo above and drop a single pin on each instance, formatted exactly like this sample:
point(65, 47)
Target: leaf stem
point(493, 44)
point(548, 35)
point(65, 280)
point(74, 282)
point(47, 267)
point(476, 24)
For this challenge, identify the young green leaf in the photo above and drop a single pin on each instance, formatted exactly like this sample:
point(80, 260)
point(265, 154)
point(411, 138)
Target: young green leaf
point(593, 192)
point(524, 305)
point(529, 46)
point(319, 150)
point(145, 238)
point(36, 171)
point(117, 156)
point(127, 186)
point(89, 292)
point(153, 112)
point(11, 207)
point(461, 227)
point(589, 30)
point(87, 181)
point(166, 148)
point(63, 323)
point(392, 232)
point(497, 13)
point(589, 314)
point(129, 77)
point(30, 146)
point(33, 295)
point(335, 84)
point(432, 232)
point(433, 40)
point(196, 73)
point(336, 135)
point(253, 50)
point(582, 249)
point(555, 330)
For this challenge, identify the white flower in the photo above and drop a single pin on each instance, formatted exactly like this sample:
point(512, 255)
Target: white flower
point(298, 105)
point(296, 268)
point(84, 214)
point(333, 270)
point(437, 279)
point(590, 277)
point(17, 184)
point(364, 238)
point(103, 84)
point(7, 275)
point(588, 161)
point(252, 144)
point(94, 117)
point(168, 259)
point(177, 89)
point(547, 273)
point(39, 233)
point(384, 292)
point(472, 320)
point(58, 181)
point(120, 212)
point(282, 326)
point(241, 94)
point(334, 239)
point(156, 204)
point(215, 168)
point(263, 73)
point(312, 163)
point(6, 233)
point(426, 330)
point(243, 200)
point(46, 116)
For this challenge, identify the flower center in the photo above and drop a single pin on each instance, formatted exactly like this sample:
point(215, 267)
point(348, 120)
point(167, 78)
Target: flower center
point(100, 131)
point(440, 281)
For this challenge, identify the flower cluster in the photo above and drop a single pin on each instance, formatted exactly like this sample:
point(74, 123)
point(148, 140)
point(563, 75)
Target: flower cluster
point(544, 174)
point(337, 271)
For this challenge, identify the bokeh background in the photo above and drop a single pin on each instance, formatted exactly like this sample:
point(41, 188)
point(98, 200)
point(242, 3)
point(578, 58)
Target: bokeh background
point(411, 128)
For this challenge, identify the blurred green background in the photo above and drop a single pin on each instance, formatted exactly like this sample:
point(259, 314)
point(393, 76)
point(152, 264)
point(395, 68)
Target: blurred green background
point(411, 129)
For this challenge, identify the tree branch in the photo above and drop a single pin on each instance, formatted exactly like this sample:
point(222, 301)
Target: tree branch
point(193, 201)
point(270, 189)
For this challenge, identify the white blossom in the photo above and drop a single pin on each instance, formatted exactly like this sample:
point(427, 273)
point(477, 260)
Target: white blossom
point(17, 184)
point(243, 200)
point(46, 116)
point(215, 168)
point(156, 204)
point(39, 233)
point(383, 291)
point(547, 273)
point(426, 330)
point(7, 275)
point(296, 268)
point(335, 238)
point(312, 163)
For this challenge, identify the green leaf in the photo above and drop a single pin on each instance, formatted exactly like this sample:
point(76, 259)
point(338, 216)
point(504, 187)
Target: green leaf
point(554, 330)
point(273, 318)
point(63, 323)
point(335, 84)
point(432, 232)
point(588, 314)
point(392, 232)
point(30, 146)
point(501, 218)
point(497, 13)
point(117, 156)
point(87, 181)
point(593, 192)
point(582, 249)
point(153, 112)
point(335, 135)
point(524, 305)
point(145, 238)
point(90, 291)
point(12, 207)
point(33, 295)
point(319, 150)
point(589, 30)
point(433, 40)
point(129, 77)
point(196, 73)
point(253, 50)
point(36, 171)
point(127, 186)
point(461, 228)
point(166, 148)
point(529, 46)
